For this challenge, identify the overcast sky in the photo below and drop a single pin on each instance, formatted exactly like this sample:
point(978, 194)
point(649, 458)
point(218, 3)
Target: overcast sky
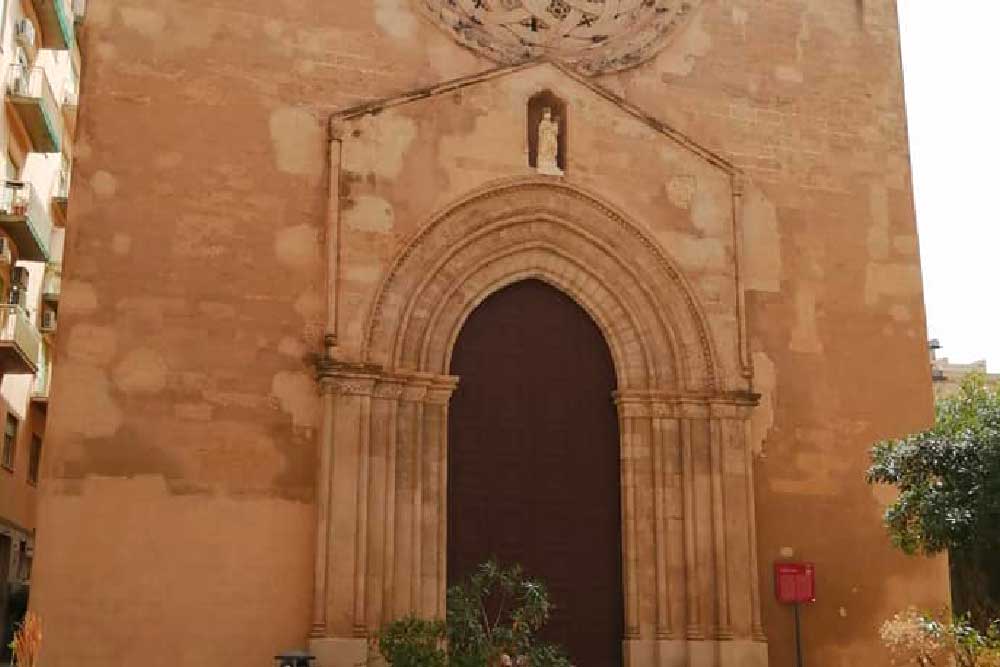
point(951, 59)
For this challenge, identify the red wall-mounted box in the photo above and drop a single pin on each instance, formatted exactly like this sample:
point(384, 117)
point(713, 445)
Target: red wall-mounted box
point(795, 583)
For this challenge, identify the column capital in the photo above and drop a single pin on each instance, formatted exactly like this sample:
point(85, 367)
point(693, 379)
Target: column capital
point(389, 388)
point(418, 387)
point(640, 403)
point(349, 385)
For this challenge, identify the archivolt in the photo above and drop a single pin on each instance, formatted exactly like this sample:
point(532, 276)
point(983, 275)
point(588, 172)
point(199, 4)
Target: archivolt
point(544, 229)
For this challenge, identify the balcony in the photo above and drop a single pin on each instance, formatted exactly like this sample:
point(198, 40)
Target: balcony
point(57, 21)
point(70, 109)
point(60, 198)
point(23, 216)
point(20, 342)
point(40, 388)
point(30, 94)
point(79, 11)
point(52, 284)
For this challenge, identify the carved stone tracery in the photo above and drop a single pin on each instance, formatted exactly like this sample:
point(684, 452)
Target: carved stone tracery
point(593, 36)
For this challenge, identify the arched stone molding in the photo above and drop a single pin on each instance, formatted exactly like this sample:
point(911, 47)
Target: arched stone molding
point(559, 233)
point(688, 528)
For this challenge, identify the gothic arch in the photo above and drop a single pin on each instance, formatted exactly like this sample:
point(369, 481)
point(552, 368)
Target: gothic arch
point(688, 530)
point(545, 229)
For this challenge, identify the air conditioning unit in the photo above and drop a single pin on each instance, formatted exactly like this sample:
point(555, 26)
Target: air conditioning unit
point(19, 277)
point(6, 256)
point(62, 185)
point(24, 33)
point(19, 83)
point(48, 321)
point(18, 296)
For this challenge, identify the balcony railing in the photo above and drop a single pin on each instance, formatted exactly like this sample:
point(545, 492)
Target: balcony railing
point(40, 388)
point(20, 342)
point(70, 109)
point(60, 197)
point(79, 10)
point(31, 95)
point(52, 283)
point(57, 19)
point(23, 216)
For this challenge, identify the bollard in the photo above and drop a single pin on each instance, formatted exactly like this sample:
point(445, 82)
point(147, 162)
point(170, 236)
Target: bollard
point(294, 659)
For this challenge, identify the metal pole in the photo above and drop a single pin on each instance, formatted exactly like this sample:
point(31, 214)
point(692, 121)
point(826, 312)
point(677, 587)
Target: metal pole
point(798, 637)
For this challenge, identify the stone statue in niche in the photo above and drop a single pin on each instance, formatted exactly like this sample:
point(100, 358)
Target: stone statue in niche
point(548, 145)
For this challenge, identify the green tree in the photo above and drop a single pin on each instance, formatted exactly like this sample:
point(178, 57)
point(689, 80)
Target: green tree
point(492, 621)
point(949, 493)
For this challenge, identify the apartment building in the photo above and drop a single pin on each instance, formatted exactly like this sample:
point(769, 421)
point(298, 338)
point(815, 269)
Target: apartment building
point(948, 375)
point(40, 66)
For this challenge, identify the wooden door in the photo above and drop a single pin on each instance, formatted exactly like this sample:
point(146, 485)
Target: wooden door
point(533, 461)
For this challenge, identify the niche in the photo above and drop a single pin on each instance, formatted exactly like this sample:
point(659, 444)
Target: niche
point(536, 110)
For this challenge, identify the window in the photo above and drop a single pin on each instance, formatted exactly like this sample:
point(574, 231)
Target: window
point(24, 557)
point(34, 459)
point(9, 442)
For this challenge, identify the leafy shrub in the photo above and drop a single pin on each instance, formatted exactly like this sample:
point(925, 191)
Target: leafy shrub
point(413, 642)
point(492, 621)
point(929, 641)
point(948, 480)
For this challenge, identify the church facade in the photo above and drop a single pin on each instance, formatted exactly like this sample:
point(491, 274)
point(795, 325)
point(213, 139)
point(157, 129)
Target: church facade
point(359, 296)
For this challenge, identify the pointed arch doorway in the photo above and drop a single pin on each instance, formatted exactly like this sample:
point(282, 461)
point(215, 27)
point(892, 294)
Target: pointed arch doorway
point(534, 463)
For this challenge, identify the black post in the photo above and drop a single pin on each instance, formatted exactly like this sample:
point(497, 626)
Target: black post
point(798, 638)
point(294, 659)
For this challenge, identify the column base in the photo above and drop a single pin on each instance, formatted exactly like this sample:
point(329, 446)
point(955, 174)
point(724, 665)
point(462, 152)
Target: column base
point(707, 653)
point(339, 652)
point(743, 653)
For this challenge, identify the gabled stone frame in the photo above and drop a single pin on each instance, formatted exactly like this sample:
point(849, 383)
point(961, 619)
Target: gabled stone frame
point(689, 530)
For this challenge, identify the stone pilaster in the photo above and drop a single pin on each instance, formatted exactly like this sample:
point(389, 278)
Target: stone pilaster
point(382, 499)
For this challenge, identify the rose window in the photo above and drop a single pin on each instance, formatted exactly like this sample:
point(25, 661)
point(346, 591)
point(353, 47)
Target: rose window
point(593, 36)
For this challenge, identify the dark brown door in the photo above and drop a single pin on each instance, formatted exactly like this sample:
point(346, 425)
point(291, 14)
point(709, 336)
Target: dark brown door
point(533, 461)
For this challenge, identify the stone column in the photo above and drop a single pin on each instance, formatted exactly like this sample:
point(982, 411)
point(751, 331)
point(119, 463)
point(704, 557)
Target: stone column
point(645, 562)
point(665, 434)
point(341, 550)
point(409, 496)
point(671, 649)
point(382, 491)
point(630, 409)
point(323, 483)
point(436, 501)
point(693, 513)
point(719, 431)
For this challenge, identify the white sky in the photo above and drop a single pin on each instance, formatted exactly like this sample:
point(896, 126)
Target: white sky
point(951, 60)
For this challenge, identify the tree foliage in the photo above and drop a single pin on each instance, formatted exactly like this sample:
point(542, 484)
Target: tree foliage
point(929, 640)
point(948, 480)
point(493, 619)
